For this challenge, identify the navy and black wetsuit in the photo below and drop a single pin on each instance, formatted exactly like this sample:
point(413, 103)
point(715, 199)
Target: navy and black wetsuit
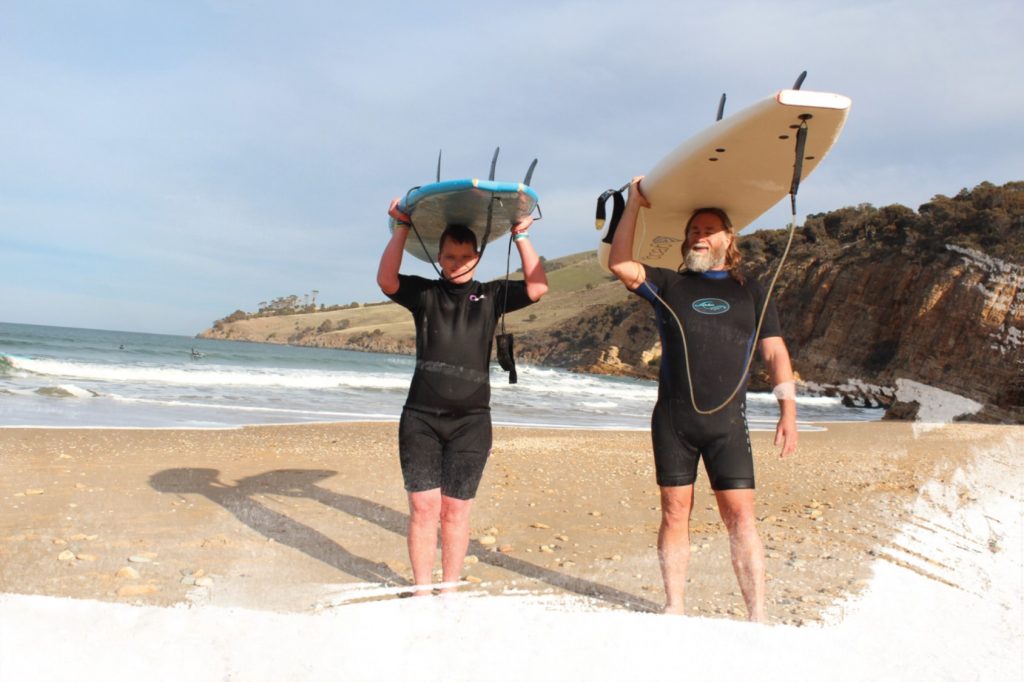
point(445, 430)
point(719, 316)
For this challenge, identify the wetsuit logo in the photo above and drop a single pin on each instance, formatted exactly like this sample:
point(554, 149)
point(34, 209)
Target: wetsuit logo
point(475, 298)
point(711, 306)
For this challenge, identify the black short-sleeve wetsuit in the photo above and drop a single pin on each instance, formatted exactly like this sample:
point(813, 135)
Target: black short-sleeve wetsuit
point(445, 431)
point(719, 316)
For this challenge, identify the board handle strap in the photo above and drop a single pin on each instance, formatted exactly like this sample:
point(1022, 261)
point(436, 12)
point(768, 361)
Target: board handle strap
point(618, 207)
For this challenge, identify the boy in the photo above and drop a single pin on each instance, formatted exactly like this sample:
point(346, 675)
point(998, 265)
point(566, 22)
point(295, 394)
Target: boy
point(444, 435)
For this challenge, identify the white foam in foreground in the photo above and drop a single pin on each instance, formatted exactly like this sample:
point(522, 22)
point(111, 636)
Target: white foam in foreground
point(910, 625)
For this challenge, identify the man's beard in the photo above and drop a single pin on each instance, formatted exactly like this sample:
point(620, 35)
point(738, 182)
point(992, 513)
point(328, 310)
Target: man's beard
point(706, 260)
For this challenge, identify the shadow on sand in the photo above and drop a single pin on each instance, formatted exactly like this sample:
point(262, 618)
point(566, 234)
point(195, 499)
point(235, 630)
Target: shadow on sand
point(240, 500)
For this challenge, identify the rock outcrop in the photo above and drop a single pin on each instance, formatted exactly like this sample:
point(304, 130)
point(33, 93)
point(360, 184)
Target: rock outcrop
point(870, 296)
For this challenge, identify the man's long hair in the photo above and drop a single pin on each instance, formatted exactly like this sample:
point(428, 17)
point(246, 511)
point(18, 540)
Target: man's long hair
point(733, 256)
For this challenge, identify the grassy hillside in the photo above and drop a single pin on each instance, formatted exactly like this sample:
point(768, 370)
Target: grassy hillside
point(576, 281)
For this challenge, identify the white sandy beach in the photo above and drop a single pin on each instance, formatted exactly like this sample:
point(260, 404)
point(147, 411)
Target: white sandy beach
point(941, 600)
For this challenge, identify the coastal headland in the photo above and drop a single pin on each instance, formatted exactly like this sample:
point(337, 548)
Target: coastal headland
point(870, 299)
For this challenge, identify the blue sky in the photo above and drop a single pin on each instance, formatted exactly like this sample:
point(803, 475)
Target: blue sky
point(163, 164)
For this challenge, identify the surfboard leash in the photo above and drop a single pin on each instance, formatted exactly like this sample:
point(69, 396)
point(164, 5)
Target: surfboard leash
point(505, 347)
point(505, 350)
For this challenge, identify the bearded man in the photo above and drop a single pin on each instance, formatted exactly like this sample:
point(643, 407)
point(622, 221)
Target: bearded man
point(707, 315)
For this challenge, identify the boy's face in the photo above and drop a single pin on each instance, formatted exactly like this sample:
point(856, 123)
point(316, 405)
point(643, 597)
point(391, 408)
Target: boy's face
point(457, 261)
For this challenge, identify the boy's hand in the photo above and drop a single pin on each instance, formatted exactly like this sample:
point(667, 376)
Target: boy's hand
point(522, 226)
point(398, 215)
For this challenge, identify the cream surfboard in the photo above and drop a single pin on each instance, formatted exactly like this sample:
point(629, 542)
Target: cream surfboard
point(743, 163)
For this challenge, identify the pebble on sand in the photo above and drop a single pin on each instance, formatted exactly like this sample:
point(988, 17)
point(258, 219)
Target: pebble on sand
point(143, 557)
point(127, 572)
point(487, 540)
point(136, 590)
point(66, 555)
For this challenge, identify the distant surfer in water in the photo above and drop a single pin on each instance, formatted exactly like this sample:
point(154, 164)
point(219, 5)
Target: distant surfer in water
point(444, 436)
point(718, 308)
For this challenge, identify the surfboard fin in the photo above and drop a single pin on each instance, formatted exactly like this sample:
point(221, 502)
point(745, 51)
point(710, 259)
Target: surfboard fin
point(721, 108)
point(439, 164)
point(529, 173)
point(799, 81)
point(494, 163)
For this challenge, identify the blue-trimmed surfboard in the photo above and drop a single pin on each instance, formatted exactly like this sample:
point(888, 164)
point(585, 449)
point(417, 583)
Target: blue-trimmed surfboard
point(464, 202)
point(742, 163)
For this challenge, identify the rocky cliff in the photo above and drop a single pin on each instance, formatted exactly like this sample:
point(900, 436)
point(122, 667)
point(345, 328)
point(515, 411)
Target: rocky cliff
point(869, 299)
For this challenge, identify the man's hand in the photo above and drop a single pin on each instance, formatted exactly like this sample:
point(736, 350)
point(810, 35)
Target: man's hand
point(635, 194)
point(786, 435)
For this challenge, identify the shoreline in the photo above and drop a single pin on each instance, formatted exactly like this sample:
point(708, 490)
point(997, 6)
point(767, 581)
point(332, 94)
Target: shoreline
point(814, 426)
point(757, 423)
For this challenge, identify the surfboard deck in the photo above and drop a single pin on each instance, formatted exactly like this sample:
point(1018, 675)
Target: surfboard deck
point(464, 202)
point(742, 164)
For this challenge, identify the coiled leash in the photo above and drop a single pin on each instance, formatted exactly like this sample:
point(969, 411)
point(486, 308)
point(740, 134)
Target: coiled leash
point(505, 346)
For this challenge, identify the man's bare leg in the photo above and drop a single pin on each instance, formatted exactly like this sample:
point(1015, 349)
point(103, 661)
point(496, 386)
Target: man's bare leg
point(737, 510)
point(424, 514)
point(454, 537)
point(674, 543)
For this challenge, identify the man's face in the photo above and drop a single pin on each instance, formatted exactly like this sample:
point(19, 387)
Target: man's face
point(457, 261)
point(707, 243)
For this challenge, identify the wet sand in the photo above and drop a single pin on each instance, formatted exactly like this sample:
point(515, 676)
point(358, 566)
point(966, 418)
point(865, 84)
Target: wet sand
point(281, 518)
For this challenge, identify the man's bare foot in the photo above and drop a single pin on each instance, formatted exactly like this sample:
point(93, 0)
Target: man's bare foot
point(674, 610)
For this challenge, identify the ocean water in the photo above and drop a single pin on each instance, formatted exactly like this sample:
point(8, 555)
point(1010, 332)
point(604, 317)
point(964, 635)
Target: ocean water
point(65, 377)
